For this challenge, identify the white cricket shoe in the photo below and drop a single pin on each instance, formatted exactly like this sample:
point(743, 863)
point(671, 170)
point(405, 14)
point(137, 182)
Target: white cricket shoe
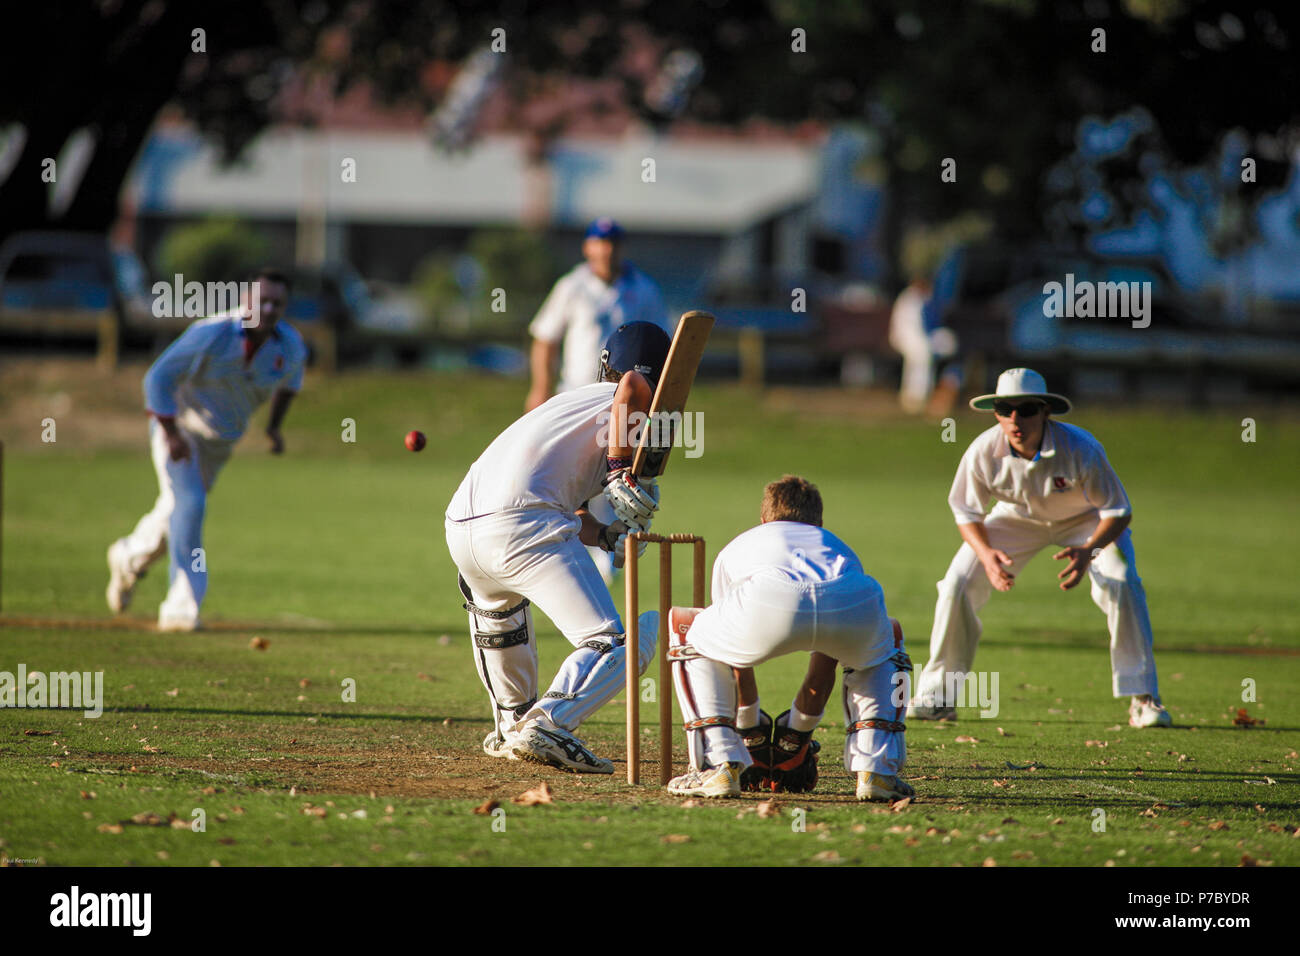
point(176, 623)
point(495, 745)
point(557, 748)
point(917, 709)
point(121, 579)
point(879, 786)
point(720, 781)
point(1147, 711)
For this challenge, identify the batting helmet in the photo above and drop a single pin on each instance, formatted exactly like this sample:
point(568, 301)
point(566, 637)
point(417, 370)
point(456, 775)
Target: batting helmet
point(640, 346)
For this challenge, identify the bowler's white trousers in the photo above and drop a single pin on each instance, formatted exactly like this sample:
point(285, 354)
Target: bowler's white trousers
point(176, 522)
point(1116, 589)
point(770, 615)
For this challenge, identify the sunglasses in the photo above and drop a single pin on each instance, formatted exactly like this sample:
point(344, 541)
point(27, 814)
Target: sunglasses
point(1026, 409)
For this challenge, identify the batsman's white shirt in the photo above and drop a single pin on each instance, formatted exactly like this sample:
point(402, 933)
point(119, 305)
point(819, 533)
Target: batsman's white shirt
point(204, 380)
point(552, 458)
point(1069, 477)
point(582, 311)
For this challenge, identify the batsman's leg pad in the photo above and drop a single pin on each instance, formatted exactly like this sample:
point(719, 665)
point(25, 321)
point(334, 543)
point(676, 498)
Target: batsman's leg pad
point(505, 656)
point(594, 673)
point(706, 690)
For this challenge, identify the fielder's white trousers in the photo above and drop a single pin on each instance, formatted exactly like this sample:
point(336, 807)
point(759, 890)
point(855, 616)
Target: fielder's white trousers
point(769, 616)
point(175, 524)
point(535, 554)
point(1116, 589)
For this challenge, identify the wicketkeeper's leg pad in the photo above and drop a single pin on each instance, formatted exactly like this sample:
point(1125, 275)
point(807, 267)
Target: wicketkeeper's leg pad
point(875, 701)
point(706, 691)
point(505, 656)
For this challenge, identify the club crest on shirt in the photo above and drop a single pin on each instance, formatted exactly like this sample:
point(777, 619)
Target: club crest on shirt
point(1060, 484)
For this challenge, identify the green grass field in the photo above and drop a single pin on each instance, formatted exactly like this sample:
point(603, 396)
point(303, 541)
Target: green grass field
point(334, 555)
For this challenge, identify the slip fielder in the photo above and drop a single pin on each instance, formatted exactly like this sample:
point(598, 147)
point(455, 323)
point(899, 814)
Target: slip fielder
point(201, 393)
point(1049, 483)
point(516, 530)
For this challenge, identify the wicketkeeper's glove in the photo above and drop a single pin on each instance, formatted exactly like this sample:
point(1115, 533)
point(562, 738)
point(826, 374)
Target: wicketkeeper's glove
point(758, 775)
point(794, 758)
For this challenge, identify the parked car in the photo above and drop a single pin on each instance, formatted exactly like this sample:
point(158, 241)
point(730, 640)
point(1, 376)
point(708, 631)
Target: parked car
point(70, 286)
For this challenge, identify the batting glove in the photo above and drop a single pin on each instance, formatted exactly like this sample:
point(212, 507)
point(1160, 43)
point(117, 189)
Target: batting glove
point(633, 501)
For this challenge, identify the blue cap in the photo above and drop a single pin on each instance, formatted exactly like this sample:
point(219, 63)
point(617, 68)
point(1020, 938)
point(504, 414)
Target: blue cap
point(604, 228)
point(639, 346)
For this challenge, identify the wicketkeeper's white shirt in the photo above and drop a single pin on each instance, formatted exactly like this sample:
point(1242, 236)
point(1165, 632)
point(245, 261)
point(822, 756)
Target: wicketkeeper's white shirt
point(1070, 476)
point(552, 457)
point(582, 311)
point(801, 553)
point(204, 380)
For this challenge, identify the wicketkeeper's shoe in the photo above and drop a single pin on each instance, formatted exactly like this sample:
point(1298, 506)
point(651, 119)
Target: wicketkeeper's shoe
point(121, 579)
point(918, 709)
point(1147, 711)
point(879, 786)
point(720, 781)
point(557, 748)
point(494, 745)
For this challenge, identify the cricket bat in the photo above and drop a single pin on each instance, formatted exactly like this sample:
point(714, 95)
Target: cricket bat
point(670, 396)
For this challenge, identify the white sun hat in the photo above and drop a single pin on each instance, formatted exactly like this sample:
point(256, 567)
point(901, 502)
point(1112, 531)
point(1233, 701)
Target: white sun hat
point(1021, 383)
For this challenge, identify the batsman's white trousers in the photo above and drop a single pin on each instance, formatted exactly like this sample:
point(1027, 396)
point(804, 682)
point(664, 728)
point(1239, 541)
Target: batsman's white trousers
point(176, 522)
point(770, 615)
point(1116, 589)
point(535, 553)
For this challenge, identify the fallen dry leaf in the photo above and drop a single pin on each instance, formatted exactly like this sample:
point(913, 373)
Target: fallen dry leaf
point(903, 804)
point(1244, 719)
point(675, 838)
point(49, 733)
point(827, 856)
point(486, 807)
point(109, 828)
point(173, 692)
point(305, 682)
point(768, 808)
point(989, 861)
point(259, 643)
point(1096, 743)
point(963, 739)
point(690, 803)
point(1248, 860)
point(539, 794)
point(423, 676)
point(1219, 825)
point(1004, 733)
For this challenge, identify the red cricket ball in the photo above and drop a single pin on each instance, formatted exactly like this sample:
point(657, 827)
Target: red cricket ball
point(415, 440)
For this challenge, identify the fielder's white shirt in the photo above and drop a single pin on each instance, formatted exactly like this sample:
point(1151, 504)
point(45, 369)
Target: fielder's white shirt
point(802, 553)
point(582, 311)
point(1069, 477)
point(204, 381)
point(552, 457)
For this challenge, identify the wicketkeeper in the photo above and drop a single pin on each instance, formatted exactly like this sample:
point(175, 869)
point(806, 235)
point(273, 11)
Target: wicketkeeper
point(783, 587)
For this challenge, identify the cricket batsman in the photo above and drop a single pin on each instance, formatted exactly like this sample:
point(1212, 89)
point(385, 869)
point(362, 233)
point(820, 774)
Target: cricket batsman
point(1049, 483)
point(784, 587)
point(200, 394)
point(516, 530)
